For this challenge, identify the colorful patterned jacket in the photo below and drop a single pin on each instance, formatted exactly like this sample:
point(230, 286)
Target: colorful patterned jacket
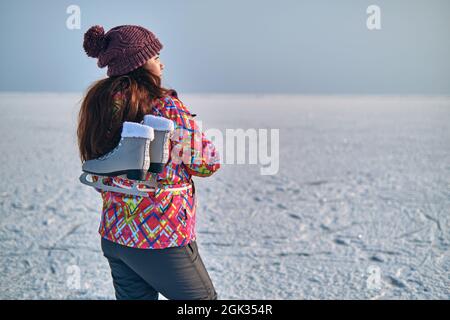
point(165, 218)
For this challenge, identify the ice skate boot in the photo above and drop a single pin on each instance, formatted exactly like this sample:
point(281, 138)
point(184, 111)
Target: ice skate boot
point(131, 158)
point(159, 146)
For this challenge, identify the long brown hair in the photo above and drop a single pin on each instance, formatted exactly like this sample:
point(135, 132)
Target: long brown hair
point(111, 101)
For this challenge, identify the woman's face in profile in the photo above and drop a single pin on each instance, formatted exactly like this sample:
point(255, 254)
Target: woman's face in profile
point(154, 65)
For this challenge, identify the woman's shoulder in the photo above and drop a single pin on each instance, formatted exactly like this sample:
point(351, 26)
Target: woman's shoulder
point(169, 98)
point(170, 104)
point(172, 100)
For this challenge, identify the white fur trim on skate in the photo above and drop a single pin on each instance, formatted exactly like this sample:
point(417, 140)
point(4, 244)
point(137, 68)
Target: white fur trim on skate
point(136, 130)
point(158, 123)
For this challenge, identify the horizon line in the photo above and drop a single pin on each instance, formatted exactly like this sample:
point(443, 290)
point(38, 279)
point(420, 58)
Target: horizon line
point(243, 93)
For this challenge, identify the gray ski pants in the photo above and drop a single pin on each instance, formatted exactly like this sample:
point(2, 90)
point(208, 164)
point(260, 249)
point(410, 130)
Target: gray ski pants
point(178, 273)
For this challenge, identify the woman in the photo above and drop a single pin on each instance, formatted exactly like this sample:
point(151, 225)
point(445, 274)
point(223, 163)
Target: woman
point(149, 241)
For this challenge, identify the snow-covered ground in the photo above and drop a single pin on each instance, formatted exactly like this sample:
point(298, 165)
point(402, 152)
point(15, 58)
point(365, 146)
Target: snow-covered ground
point(359, 209)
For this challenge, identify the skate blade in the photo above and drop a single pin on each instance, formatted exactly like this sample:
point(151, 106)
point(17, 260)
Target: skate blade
point(148, 186)
point(133, 191)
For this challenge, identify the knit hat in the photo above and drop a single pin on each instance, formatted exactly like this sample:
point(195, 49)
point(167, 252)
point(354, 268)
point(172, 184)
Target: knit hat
point(123, 48)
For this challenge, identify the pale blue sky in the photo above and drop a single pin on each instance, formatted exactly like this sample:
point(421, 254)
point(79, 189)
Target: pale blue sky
point(239, 46)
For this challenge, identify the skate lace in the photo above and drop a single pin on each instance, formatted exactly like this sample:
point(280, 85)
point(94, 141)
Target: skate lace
point(103, 157)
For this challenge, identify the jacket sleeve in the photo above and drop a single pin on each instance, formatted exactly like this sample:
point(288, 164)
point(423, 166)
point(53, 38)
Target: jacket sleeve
point(198, 154)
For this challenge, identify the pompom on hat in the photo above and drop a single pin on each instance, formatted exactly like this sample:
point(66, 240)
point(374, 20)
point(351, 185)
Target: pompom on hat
point(122, 49)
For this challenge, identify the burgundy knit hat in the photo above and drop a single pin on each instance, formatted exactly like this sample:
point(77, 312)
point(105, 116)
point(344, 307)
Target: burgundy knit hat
point(122, 49)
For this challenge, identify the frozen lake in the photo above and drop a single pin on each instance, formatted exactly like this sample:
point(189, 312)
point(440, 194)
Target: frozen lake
point(360, 207)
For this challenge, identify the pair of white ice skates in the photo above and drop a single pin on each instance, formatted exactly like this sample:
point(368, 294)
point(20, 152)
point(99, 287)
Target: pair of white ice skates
point(142, 148)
